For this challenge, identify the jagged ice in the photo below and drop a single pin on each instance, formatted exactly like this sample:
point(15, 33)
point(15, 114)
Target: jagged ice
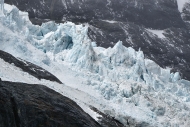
point(121, 75)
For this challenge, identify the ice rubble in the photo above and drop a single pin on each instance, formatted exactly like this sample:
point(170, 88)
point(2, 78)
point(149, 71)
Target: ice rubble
point(14, 27)
point(120, 74)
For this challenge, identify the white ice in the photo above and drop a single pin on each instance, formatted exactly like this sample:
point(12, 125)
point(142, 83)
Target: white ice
point(110, 21)
point(118, 81)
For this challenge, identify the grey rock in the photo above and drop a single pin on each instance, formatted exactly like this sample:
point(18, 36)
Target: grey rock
point(26, 105)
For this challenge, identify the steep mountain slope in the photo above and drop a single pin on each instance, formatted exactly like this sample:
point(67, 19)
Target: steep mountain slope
point(30, 68)
point(39, 106)
point(119, 81)
point(157, 14)
point(24, 96)
point(128, 21)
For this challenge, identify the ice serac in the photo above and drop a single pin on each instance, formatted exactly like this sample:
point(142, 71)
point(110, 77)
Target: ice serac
point(15, 27)
point(2, 5)
point(123, 76)
point(128, 21)
point(139, 92)
point(1, 8)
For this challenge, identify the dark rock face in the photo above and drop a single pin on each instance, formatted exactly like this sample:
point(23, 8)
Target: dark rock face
point(133, 17)
point(28, 67)
point(24, 105)
point(157, 14)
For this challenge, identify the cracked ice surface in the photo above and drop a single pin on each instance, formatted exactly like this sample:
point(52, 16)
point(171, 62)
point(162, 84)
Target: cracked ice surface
point(136, 89)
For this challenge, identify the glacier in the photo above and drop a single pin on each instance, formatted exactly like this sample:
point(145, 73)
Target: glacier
point(121, 81)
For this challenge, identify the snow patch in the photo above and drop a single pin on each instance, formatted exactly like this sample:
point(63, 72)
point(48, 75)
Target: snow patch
point(181, 4)
point(92, 113)
point(159, 33)
point(110, 21)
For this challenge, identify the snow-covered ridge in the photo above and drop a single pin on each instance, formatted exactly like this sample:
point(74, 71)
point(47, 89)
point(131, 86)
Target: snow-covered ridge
point(121, 75)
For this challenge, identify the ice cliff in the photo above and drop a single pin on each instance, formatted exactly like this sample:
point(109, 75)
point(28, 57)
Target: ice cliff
point(121, 75)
